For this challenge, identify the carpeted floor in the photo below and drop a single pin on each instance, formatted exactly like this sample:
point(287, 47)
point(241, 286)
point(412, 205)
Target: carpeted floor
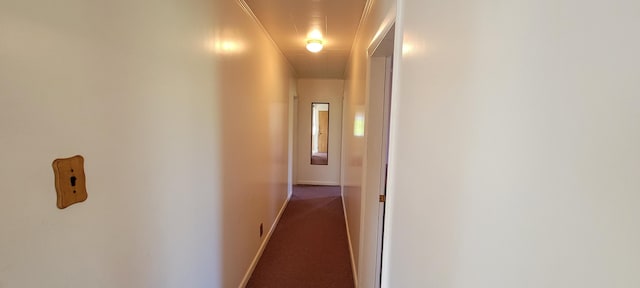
point(319, 159)
point(309, 247)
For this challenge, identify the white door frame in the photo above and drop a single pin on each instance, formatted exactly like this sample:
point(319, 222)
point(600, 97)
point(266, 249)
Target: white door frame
point(377, 103)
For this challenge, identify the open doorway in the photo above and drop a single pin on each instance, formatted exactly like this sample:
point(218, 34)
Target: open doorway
point(380, 74)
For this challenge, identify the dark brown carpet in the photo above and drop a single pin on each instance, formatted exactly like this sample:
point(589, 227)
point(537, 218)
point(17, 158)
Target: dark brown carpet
point(309, 247)
point(320, 159)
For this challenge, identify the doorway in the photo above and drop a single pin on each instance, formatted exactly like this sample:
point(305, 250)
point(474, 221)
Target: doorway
point(380, 74)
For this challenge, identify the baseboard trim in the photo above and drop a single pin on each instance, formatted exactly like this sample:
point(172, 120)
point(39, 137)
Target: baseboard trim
point(252, 267)
point(320, 183)
point(353, 261)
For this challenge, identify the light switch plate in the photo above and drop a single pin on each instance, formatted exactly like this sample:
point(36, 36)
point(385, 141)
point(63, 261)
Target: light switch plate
point(70, 181)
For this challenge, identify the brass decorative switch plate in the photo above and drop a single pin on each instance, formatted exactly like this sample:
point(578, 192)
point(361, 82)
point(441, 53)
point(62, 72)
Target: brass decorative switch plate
point(70, 181)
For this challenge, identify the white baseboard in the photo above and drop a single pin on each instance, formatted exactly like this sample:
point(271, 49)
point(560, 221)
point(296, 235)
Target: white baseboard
point(247, 275)
point(320, 183)
point(353, 261)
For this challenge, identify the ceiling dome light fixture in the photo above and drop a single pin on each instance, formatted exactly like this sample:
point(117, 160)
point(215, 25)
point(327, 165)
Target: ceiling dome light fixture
point(314, 45)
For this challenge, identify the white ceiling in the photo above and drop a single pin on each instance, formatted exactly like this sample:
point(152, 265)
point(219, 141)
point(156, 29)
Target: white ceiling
point(290, 21)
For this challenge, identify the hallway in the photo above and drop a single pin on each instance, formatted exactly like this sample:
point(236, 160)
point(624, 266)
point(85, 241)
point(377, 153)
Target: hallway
point(309, 246)
point(514, 143)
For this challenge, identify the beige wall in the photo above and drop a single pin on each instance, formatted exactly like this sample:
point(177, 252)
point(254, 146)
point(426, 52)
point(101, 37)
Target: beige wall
point(184, 160)
point(515, 159)
point(326, 91)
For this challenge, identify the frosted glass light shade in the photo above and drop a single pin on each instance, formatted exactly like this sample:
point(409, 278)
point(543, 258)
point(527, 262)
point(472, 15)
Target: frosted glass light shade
point(314, 45)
